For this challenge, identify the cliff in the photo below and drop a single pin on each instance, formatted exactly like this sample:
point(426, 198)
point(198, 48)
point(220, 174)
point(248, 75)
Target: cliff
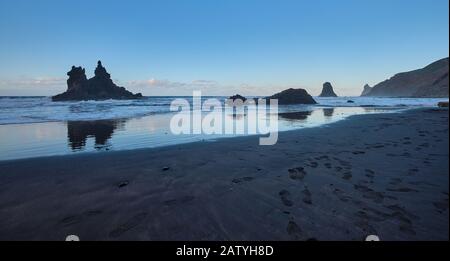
point(430, 81)
point(366, 90)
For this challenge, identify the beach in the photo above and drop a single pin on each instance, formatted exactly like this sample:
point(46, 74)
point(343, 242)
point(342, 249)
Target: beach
point(376, 174)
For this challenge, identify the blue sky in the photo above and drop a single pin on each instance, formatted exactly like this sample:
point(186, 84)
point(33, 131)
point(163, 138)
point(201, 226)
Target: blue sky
point(222, 47)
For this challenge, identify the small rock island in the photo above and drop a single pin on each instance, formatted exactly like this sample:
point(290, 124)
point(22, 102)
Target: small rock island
point(292, 96)
point(237, 97)
point(99, 87)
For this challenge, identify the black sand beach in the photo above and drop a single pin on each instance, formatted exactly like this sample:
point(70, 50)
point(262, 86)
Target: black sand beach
point(383, 174)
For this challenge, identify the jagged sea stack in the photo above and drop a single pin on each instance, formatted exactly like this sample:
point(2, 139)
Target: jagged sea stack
point(99, 87)
point(366, 90)
point(327, 90)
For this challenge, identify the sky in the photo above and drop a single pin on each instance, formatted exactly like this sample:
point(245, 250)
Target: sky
point(221, 47)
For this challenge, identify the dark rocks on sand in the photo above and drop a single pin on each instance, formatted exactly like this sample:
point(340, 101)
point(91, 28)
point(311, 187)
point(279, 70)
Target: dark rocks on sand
point(123, 184)
point(327, 90)
point(293, 96)
point(443, 104)
point(99, 87)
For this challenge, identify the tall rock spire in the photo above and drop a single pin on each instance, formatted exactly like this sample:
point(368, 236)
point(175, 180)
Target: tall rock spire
point(327, 90)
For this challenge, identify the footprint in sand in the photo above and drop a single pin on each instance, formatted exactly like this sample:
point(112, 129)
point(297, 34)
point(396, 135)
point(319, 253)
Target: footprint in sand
point(402, 217)
point(298, 173)
point(412, 171)
point(345, 164)
point(91, 213)
point(181, 200)
point(123, 184)
point(347, 175)
point(395, 181)
point(370, 173)
point(441, 206)
point(341, 195)
point(402, 189)
point(307, 196)
point(239, 180)
point(285, 197)
point(369, 193)
point(323, 157)
point(313, 164)
point(70, 220)
point(294, 230)
point(130, 224)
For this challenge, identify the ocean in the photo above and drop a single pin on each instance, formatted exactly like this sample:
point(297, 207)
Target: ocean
point(36, 126)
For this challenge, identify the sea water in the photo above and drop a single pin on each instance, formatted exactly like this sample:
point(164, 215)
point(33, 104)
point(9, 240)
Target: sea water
point(36, 126)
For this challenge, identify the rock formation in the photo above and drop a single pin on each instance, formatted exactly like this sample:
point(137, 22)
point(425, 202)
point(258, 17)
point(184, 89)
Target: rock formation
point(237, 96)
point(366, 90)
point(430, 81)
point(231, 100)
point(99, 87)
point(443, 104)
point(293, 96)
point(327, 90)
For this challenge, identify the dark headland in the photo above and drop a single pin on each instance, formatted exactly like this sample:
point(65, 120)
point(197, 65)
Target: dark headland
point(430, 81)
point(366, 90)
point(99, 87)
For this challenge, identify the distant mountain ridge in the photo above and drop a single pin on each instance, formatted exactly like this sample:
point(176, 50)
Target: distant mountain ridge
point(430, 81)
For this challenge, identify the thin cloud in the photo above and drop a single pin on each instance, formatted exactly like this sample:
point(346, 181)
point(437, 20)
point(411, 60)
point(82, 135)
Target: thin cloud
point(208, 87)
point(37, 82)
point(153, 83)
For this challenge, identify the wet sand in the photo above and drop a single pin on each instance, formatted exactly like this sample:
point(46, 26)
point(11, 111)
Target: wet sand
point(382, 174)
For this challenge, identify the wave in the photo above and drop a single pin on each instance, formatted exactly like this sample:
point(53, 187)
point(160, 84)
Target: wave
point(16, 110)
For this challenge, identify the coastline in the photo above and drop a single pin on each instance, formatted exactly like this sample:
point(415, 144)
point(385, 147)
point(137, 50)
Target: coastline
point(383, 174)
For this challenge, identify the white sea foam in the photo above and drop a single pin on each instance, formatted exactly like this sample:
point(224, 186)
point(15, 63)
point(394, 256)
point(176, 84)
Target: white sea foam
point(14, 110)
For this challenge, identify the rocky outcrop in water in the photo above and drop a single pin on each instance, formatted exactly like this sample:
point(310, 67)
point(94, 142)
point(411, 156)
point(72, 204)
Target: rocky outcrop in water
point(237, 97)
point(443, 104)
point(327, 90)
point(99, 87)
point(293, 96)
point(366, 90)
point(430, 81)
